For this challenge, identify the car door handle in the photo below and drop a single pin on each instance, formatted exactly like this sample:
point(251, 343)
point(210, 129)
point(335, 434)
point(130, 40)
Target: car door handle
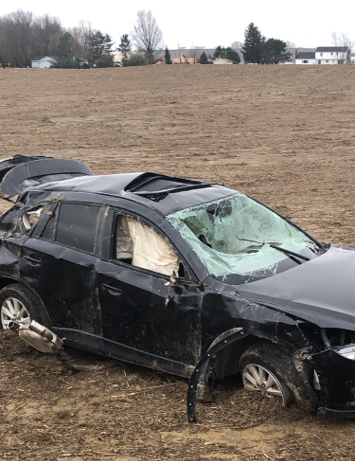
point(33, 260)
point(112, 290)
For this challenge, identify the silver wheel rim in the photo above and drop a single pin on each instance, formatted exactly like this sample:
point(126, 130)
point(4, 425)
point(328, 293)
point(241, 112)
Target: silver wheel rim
point(257, 378)
point(13, 310)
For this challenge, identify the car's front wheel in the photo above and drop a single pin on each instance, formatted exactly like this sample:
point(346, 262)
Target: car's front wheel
point(18, 304)
point(267, 369)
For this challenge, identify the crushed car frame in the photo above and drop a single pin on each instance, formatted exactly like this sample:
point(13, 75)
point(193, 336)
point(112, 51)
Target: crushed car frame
point(179, 275)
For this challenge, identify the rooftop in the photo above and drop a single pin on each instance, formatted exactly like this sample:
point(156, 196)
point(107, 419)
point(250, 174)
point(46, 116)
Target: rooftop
point(332, 49)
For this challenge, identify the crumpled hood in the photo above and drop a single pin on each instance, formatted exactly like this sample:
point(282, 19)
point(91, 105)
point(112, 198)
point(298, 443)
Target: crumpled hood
point(321, 291)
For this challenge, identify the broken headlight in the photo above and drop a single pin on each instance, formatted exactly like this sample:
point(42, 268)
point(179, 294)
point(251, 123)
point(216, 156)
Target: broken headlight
point(348, 352)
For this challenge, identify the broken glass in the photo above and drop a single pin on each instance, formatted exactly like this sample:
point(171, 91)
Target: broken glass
point(233, 236)
point(31, 217)
point(124, 242)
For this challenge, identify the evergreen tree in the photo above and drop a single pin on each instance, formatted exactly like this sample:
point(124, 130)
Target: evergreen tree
point(226, 53)
point(203, 58)
point(135, 60)
point(275, 51)
point(253, 47)
point(65, 53)
point(106, 60)
point(97, 45)
point(65, 46)
point(124, 46)
point(218, 52)
point(232, 55)
point(67, 63)
point(167, 56)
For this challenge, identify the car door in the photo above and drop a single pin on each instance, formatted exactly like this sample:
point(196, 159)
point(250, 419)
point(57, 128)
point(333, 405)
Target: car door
point(58, 261)
point(143, 305)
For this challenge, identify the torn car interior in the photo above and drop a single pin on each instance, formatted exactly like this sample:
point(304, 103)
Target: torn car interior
point(178, 275)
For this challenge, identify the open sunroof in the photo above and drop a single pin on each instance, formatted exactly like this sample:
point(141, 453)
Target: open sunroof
point(156, 186)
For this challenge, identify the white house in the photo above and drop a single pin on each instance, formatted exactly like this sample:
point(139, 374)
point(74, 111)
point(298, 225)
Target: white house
point(43, 62)
point(305, 57)
point(222, 61)
point(332, 55)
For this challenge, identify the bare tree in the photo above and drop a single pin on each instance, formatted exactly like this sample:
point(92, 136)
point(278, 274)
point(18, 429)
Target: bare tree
point(147, 35)
point(46, 34)
point(344, 41)
point(78, 40)
point(341, 40)
point(195, 53)
point(290, 44)
point(236, 45)
point(22, 37)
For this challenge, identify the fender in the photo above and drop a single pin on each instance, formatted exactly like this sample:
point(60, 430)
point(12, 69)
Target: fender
point(206, 363)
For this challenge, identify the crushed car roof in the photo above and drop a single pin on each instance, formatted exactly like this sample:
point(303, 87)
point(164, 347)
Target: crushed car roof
point(164, 193)
point(148, 184)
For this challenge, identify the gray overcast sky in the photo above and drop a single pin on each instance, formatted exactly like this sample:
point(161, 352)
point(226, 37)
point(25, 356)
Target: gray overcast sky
point(307, 23)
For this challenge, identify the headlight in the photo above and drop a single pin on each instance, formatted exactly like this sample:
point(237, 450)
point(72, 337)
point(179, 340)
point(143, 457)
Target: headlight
point(348, 352)
point(316, 382)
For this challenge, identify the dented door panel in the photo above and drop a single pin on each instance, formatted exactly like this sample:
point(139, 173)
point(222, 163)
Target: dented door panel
point(65, 279)
point(141, 310)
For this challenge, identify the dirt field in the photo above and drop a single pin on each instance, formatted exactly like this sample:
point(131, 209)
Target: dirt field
point(283, 134)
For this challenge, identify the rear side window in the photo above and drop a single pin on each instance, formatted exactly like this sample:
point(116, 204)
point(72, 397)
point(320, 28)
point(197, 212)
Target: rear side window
point(77, 226)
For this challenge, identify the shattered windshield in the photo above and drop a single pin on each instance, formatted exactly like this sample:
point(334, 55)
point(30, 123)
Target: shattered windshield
point(239, 240)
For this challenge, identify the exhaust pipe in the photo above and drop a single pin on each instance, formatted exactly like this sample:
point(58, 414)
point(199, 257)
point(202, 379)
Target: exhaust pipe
point(39, 337)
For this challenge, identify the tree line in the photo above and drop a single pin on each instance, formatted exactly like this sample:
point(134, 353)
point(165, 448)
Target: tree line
point(24, 36)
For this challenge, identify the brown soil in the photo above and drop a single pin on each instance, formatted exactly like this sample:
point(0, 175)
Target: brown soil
point(283, 134)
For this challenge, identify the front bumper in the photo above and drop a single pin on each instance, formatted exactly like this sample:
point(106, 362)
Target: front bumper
point(336, 376)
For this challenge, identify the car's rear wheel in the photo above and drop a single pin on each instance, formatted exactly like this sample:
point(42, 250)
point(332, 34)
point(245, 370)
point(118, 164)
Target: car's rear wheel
point(19, 304)
point(267, 369)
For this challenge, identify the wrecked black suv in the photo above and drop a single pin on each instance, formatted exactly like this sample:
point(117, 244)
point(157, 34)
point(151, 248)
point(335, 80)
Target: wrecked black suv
point(178, 275)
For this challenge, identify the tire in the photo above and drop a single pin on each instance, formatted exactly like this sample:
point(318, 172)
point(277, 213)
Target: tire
point(266, 368)
point(18, 303)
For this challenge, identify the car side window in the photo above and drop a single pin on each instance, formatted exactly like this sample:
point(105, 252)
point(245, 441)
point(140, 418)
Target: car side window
point(77, 226)
point(141, 246)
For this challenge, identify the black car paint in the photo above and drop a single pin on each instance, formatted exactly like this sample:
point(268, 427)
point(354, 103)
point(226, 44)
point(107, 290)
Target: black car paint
point(92, 299)
point(320, 291)
point(18, 173)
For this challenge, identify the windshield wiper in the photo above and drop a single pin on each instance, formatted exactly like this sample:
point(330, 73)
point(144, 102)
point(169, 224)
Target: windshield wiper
point(290, 253)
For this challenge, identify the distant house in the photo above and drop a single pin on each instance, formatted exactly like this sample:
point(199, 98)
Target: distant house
point(333, 55)
point(222, 61)
point(305, 57)
point(184, 59)
point(185, 55)
point(43, 62)
point(117, 57)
